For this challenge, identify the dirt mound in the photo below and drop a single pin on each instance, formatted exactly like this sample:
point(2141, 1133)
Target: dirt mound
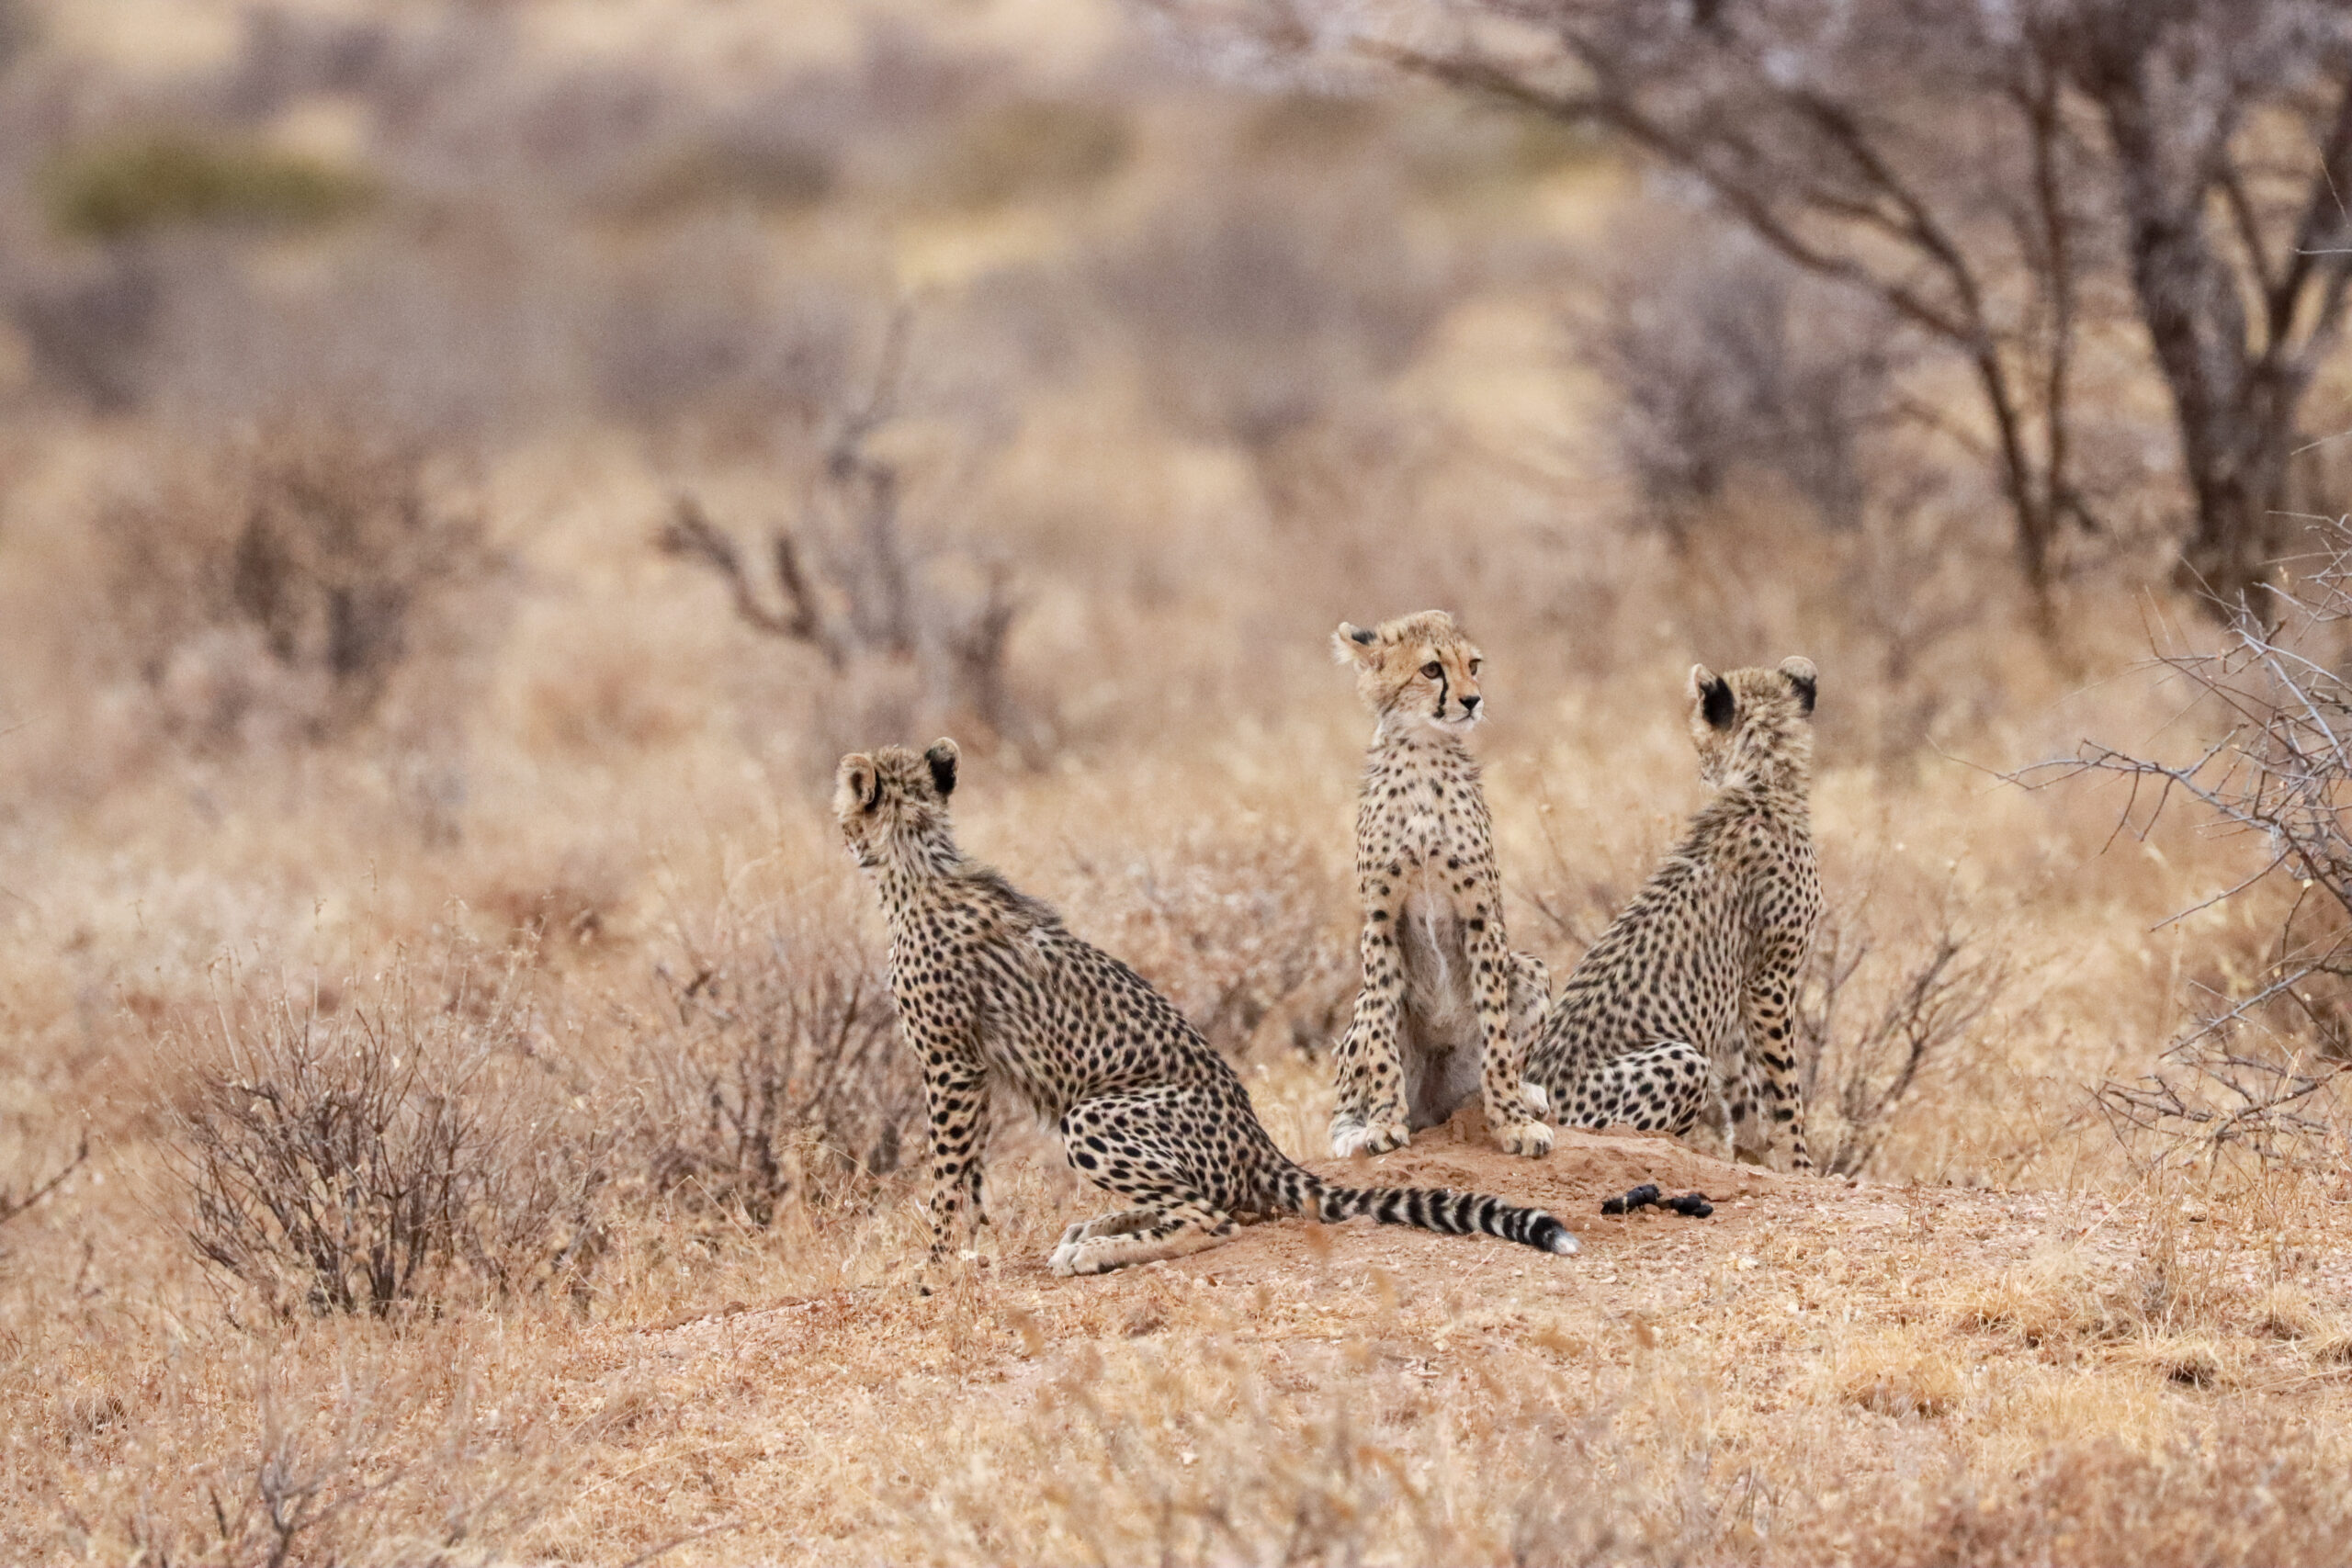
point(1570, 1183)
point(1582, 1169)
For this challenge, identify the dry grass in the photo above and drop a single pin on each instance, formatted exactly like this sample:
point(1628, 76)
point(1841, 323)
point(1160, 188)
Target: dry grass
point(666, 1306)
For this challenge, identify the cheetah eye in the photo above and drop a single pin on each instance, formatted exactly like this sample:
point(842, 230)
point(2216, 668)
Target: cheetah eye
point(1474, 665)
point(1432, 669)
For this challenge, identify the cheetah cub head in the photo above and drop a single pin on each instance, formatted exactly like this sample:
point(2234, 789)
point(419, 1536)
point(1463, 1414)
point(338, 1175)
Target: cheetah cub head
point(1749, 724)
point(893, 794)
point(1416, 670)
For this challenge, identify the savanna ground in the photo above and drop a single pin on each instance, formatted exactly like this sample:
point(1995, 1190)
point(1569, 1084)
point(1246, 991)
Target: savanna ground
point(415, 884)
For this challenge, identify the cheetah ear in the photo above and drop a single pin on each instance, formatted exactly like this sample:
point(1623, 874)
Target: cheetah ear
point(1712, 694)
point(1804, 678)
point(1353, 644)
point(941, 758)
point(857, 785)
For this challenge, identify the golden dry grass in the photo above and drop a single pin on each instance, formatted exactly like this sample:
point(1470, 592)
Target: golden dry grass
point(2009, 1341)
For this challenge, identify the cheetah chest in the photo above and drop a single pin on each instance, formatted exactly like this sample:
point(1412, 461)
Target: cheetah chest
point(1436, 857)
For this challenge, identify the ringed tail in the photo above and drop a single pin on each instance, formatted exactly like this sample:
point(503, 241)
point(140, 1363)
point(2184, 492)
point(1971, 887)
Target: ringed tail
point(1430, 1209)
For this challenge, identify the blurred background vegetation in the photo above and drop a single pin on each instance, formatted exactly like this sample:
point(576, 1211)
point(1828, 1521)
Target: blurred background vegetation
point(467, 471)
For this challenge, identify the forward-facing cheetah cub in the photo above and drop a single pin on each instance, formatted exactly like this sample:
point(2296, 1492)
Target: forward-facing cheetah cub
point(991, 989)
point(1701, 967)
point(1446, 1007)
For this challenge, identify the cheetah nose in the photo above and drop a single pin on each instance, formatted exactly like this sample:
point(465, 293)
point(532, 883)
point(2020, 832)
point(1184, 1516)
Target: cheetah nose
point(1469, 706)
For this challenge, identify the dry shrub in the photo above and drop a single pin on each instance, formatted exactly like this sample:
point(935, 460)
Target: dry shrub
point(1880, 1019)
point(276, 593)
point(1900, 1373)
point(1729, 364)
point(915, 633)
point(1236, 933)
point(2263, 1074)
point(432, 1447)
point(776, 1071)
point(2267, 1487)
point(409, 1145)
point(13, 1202)
point(2175, 1294)
point(1196, 1451)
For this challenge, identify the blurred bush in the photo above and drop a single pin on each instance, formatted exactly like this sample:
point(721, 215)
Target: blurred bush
point(767, 176)
point(1029, 149)
point(276, 592)
point(118, 189)
point(1729, 365)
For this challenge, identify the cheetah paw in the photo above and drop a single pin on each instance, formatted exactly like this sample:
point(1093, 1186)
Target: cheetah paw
point(1088, 1257)
point(1532, 1139)
point(1350, 1136)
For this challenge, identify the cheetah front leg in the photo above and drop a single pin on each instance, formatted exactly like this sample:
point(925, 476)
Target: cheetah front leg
point(1771, 1050)
point(1124, 1222)
point(956, 1096)
point(1517, 1127)
point(1369, 1117)
point(1530, 1005)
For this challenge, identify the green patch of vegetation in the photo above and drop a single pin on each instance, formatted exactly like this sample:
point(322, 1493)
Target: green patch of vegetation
point(1451, 148)
point(116, 189)
point(781, 178)
point(1031, 149)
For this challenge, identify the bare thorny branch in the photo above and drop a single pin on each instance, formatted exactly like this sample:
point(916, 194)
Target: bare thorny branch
point(847, 581)
point(12, 1204)
point(2259, 1073)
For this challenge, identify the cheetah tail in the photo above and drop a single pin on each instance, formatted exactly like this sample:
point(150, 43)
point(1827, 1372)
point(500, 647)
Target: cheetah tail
point(1433, 1209)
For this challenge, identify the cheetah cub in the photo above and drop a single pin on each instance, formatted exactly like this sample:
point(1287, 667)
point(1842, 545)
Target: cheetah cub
point(1446, 1008)
point(991, 989)
point(1694, 980)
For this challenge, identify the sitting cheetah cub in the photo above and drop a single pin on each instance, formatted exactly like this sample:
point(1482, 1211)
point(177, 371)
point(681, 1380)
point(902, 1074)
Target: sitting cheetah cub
point(1694, 980)
point(991, 989)
point(1446, 1008)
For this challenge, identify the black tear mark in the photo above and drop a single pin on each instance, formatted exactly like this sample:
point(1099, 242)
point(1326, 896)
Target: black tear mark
point(1715, 698)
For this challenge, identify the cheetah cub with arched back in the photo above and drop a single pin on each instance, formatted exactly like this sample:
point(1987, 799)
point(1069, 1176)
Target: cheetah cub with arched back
point(1446, 1008)
point(1694, 980)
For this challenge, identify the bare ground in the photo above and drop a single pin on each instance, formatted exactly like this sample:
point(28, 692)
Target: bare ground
point(1814, 1345)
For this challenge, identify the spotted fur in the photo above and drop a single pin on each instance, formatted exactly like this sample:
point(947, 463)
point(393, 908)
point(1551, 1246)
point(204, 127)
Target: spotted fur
point(992, 989)
point(1447, 1010)
point(1694, 980)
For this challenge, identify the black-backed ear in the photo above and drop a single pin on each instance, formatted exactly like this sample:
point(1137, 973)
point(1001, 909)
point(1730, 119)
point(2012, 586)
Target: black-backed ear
point(1712, 694)
point(1803, 679)
point(857, 785)
point(941, 758)
point(1354, 644)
